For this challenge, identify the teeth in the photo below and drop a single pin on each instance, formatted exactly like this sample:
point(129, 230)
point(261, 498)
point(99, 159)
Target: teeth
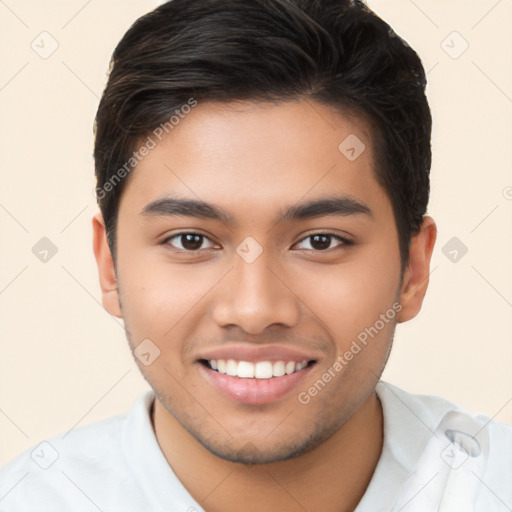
point(259, 370)
point(221, 366)
point(279, 369)
point(289, 368)
point(263, 370)
point(245, 370)
point(231, 367)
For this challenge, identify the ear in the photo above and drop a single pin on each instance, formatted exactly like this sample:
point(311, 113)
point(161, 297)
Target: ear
point(106, 268)
point(416, 275)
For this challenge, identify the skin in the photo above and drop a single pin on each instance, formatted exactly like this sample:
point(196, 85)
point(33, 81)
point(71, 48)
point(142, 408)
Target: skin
point(253, 161)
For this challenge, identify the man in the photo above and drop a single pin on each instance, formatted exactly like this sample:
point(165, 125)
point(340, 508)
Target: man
point(262, 174)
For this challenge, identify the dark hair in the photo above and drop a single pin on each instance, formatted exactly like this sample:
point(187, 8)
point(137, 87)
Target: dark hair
point(337, 52)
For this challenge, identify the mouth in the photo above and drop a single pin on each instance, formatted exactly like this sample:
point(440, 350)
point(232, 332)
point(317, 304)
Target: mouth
point(255, 382)
point(255, 370)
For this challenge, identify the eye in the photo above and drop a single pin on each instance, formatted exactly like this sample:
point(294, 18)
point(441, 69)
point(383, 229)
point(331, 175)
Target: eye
point(189, 241)
point(323, 241)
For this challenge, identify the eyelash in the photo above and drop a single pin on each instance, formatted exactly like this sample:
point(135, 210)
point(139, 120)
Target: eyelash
point(344, 241)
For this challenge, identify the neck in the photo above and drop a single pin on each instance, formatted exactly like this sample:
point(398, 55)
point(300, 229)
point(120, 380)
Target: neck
point(332, 477)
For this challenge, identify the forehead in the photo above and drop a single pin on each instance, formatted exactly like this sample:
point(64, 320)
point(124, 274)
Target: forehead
point(258, 155)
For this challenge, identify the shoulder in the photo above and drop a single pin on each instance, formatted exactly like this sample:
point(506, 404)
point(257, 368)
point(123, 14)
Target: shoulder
point(69, 468)
point(434, 410)
point(462, 455)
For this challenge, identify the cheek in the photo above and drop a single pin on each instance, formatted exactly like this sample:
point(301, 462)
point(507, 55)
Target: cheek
point(157, 296)
point(351, 298)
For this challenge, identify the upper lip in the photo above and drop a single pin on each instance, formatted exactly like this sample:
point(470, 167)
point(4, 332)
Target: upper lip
point(255, 353)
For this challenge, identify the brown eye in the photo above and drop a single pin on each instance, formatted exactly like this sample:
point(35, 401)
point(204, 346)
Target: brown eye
point(323, 241)
point(191, 242)
point(320, 242)
point(188, 241)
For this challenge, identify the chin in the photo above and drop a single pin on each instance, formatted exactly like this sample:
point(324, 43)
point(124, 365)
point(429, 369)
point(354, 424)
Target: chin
point(264, 451)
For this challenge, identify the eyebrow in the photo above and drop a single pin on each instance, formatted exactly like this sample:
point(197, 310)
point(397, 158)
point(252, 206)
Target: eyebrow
point(339, 205)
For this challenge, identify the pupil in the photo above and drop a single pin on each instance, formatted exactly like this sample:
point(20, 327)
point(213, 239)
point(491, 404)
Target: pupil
point(321, 241)
point(191, 241)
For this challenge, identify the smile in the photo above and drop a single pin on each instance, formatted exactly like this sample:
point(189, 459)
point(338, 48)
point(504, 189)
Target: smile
point(255, 383)
point(258, 370)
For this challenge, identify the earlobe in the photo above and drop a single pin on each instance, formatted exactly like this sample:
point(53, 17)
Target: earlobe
point(106, 268)
point(416, 275)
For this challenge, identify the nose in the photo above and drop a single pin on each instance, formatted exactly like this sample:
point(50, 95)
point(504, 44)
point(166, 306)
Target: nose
point(254, 296)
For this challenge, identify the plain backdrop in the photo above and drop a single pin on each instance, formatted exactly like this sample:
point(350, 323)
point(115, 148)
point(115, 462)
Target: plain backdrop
point(65, 361)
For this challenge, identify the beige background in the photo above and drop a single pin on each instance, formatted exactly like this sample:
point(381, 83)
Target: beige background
point(65, 361)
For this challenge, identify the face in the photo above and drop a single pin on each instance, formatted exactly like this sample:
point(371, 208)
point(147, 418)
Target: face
point(255, 255)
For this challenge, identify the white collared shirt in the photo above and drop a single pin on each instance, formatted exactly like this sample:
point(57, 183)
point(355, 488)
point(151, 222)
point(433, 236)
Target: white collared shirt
point(435, 457)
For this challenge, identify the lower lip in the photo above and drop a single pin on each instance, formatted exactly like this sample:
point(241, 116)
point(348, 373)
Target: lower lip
point(254, 391)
